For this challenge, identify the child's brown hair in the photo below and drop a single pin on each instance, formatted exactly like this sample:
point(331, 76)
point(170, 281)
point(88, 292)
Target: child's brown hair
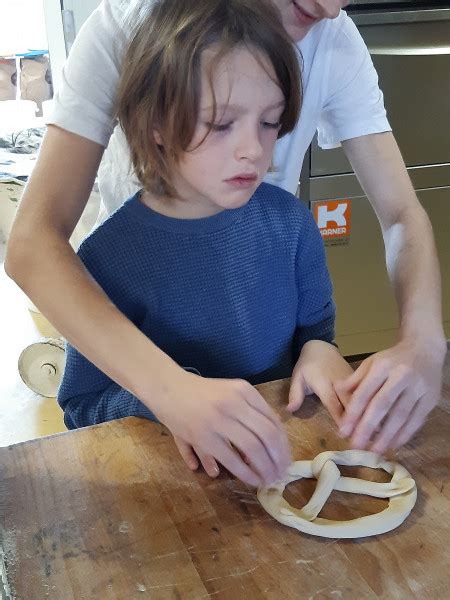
point(160, 85)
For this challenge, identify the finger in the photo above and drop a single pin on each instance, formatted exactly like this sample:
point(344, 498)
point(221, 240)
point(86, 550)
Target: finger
point(350, 383)
point(186, 453)
point(208, 462)
point(396, 420)
point(368, 387)
point(344, 396)
point(257, 402)
point(331, 401)
point(274, 441)
point(296, 392)
point(272, 436)
point(415, 421)
point(254, 449)
point(377, 409)
point(232, 461)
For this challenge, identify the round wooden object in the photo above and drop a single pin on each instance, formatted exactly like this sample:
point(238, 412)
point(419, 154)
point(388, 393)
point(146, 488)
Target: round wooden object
point(41, 366)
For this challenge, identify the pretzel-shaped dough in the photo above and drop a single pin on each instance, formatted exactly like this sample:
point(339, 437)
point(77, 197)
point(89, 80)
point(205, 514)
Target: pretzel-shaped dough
point(401, 491)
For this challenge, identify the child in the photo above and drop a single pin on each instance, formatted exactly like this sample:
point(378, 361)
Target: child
point(224, 273)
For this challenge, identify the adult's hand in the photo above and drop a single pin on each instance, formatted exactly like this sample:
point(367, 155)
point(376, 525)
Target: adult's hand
point(394, 390)
point(223, 420)
point(192, 456)
point(392, 393)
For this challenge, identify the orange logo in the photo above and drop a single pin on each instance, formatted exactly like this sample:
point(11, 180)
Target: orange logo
point(333, 218)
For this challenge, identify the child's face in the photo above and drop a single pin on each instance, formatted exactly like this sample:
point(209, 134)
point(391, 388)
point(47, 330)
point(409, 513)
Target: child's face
point(300, 15)
point(249, 108)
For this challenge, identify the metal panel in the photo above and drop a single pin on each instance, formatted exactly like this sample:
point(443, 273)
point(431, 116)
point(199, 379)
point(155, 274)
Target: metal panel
point(366, 310)
point(413, 63)
point(347, 185)
point(400, 15)
point(369, 3)
point(362, 290)
point(437, 204)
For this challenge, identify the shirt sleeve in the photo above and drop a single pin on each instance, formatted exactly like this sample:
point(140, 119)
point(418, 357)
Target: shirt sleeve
point(112, 403)
point(354, 103)
point(84, 103)
point(316, 308)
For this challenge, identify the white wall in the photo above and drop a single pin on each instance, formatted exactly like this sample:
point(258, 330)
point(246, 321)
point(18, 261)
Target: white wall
point(22, 26)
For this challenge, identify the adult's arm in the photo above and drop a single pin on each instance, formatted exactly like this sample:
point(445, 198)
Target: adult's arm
point(401, 384)
point(213, 415)
point(42, 262)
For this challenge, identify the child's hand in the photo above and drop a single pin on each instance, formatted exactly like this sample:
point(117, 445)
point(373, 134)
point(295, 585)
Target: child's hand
point(319, 366)
point(224, 420)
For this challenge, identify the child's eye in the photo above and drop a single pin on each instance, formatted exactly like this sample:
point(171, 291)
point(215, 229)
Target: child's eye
point(218, 126)
point(272, 125)
point(226, 126)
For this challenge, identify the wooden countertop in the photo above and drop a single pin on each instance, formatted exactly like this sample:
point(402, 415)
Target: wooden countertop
point(112, 512)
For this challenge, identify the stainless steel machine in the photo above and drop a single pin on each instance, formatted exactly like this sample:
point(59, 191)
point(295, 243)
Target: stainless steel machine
point(409, 42)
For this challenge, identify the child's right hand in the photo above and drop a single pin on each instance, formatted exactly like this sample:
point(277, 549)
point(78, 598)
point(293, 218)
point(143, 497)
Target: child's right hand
point(224, 420)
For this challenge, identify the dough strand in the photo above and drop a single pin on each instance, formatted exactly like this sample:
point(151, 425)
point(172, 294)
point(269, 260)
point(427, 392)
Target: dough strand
point(401, 491)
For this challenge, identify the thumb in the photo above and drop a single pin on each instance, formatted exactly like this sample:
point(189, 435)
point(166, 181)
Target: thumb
point(350, 383)
point(296, 393)
point(331, 401)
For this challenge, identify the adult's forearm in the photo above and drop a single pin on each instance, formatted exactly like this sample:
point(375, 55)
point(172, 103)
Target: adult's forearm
point(410, 250)
point(53, 277)
point(413, 268)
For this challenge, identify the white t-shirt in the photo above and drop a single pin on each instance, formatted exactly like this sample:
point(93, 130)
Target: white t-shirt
point(341, 98)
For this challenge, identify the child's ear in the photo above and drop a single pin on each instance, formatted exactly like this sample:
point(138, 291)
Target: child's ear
point(158, 138)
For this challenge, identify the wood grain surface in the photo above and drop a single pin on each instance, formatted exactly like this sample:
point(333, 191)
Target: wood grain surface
point(112, 512)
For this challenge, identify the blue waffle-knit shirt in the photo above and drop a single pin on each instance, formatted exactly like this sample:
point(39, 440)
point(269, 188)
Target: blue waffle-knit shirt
point(234, 295)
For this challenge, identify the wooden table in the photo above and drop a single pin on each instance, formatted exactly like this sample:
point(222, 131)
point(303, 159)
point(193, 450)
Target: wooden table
point(112, 512)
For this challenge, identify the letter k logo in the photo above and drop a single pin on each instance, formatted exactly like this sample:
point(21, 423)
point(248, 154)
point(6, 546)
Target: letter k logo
point(337, 215)
point(333, 218)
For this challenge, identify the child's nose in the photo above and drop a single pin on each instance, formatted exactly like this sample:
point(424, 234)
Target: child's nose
point(249, 145)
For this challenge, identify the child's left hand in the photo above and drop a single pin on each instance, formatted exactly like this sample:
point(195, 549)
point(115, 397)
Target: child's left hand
point(319, 366)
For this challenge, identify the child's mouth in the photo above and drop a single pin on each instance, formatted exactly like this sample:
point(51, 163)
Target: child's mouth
point(242, 181)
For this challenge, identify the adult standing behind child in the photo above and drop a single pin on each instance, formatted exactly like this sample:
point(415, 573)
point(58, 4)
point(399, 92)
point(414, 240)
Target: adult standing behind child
point(342, 99)
point(226, 274)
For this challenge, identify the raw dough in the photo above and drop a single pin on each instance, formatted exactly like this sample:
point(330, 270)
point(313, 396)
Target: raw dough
point(401, 491)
